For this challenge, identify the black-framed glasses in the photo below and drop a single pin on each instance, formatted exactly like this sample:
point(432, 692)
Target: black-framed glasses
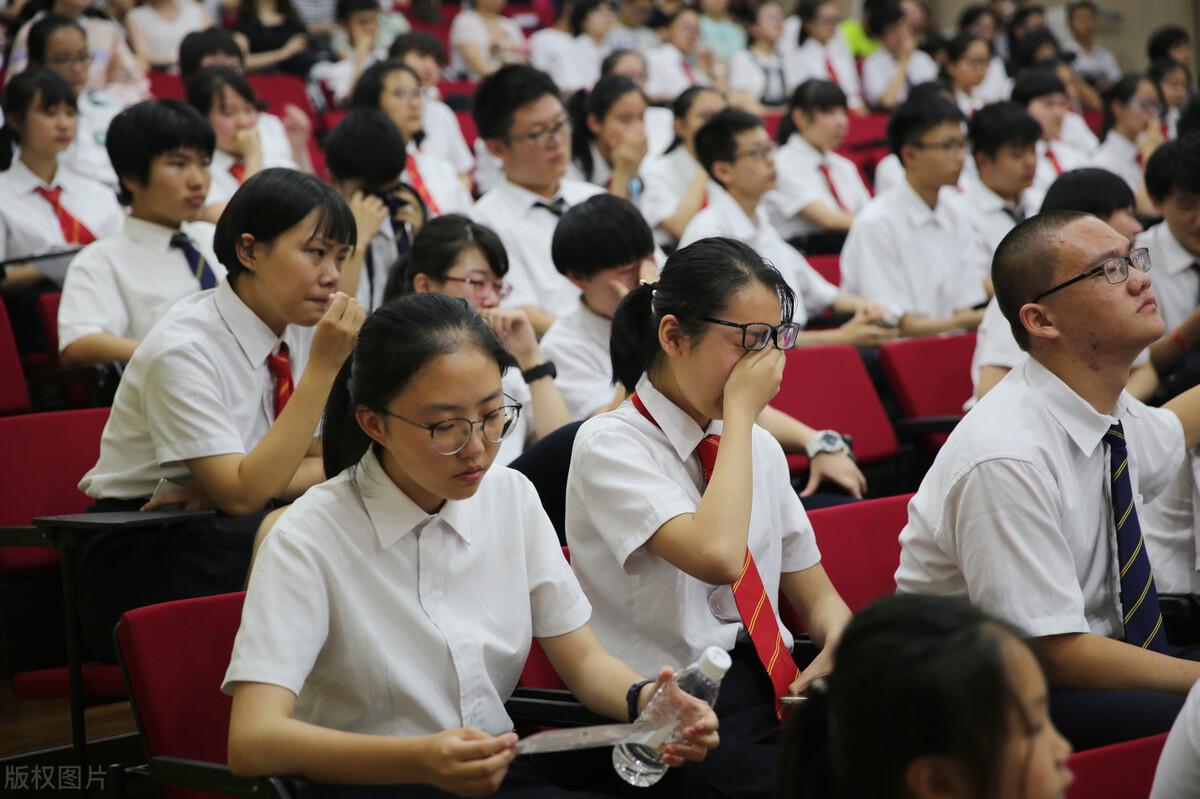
point(758, 153)
point(545, 138)
point(501, 288)
point(1115, 269)
point(451, 436)
point(756, 335)
point(953, 145)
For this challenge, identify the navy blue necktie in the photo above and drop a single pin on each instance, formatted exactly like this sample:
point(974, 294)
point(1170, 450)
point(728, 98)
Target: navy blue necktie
point(1139, 599)
point(557, 206)
point(196, 262)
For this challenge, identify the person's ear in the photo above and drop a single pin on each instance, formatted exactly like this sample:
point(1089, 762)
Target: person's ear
point(371, 424)
point(723, 172)
point(906, 154)
point(1039, 321)
point(671, 338)
point(497, 147)
point(579, 281)
point(936, 777)
point(594, 124)
point(422, 283)
point(799, 119)
point(247, 251)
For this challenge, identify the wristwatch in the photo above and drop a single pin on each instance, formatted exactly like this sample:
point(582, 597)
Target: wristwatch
point(827, 442)
point(546, 369)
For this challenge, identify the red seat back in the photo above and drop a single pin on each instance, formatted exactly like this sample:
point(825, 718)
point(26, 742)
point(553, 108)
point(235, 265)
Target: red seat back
point(930, 376)
point(47, 309)
point(828, 266)
point(860, 546)
point(14, 395)
point(166, 86)
point(278, 90)
point(1119, 771)
point(466, 123)
point(538, 672)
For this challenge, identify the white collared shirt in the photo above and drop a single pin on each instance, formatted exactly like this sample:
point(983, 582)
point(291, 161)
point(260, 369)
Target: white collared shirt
point(996, 85)
point(1178, 770)
point(968, 103)
point(881, 65)
point(88, 154)
point(578, 345)
point(1119, 155)
point(1172, 532)
point(123, 284)
point(28, 224)
point(724, 217)
point(444, 137)
point(198, 385)
point(385, 620)
point(910, 258)
point(759, 75)
point(986, 213)
point(801, 184)
point(549, 51)
point(382, 255)
point(513, 384)
point(666, 75)
point(442, 181)
point(1097, 64)
point(526, 230)
point(667, 178)
point(808, 60)
point(1175, 279)
point(581, 69)
point(1015, 512)
point(601, 171)
point(1078, 133)
point(338, 78)
point(276, 152)
point(1068, 158)
point(469, 27)
point(628, 478)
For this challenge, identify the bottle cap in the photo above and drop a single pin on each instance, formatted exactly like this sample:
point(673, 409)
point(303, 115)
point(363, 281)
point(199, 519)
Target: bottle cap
point(715, 662)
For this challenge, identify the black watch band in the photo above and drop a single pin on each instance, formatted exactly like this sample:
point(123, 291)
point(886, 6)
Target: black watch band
point(546, 369)
point(631, 698)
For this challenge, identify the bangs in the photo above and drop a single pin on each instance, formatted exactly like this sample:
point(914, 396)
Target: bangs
point(51, 94)
point(335, 221)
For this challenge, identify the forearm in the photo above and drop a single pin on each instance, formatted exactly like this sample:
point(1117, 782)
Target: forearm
point(310, 472)
point(353, 267)
point(892, 93)
point(1187, 407)
point(688, 207)
point(540, 320)
point(1167, 351)
point(819, 213)
point(620, 185)
point(99, 348)
point(791, 433)
point(596, 678)
point(21, 277)
point(722, 519)
point(913, 325)
point(818, 603)
point(267, 59)
point(1083, 661)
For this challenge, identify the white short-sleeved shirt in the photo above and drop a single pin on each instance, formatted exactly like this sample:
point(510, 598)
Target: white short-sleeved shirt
point(1119, 155)
point(996, 85)
point(469, 27)
point(724, 217)
point(581, 69)
point(1067, 158)
point(368, 609)
point(1015, 512)
point(759, 75)
point(627, 479)
point(881, 65)
point(666, 179)
point(28, 224)
point(668, 74)
point(911, 258)
point(87, 154)
point(801, 184)
point(1078, 133)
point(270, 134)
point(1178, 771)
point(1095, 64)
point(444, 137)
point(812, 60)
point(889, 173)
point(988, 214)
point(164, 35)
point(198, 385)
point(1172, 533)
point(123, 284)
point(442, 181)
point(381, 256)
point(526, 229)
point(550, 50)
point(338, 78)
point(968, 103)
point(1176, 277)
point(578, 345)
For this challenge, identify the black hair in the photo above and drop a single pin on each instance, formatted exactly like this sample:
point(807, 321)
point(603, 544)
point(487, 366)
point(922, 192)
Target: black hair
point(1163, 40)
point(698, 281)
point(580, 10)
point(436, 250)
point(1162, 68)
point(393, 345)
point(271, 203)
point(811, 96)
point(610, 61)
point(918, 115)
point(1189, 117)
point(1004, 124)
point(142, 132)
point(971, 14)
point(1121, 92)
point(368, 89)
point(956, 50)
point(41, 31)
point(1025, 50)
point(198, 45)
point(682, 106)
point(205, 86)
point(1177, 169)
point(1034, 83)
point(502, 93)
point(247, 11)
point(806, 10)
point(883, 16)
point(1092, 190)
point(1024, 264)
point(1080, 5)
point(717, 139)
point(345, 8)
point(1021, 15)
point(418, 42)
point(914, 675)
point(600, 233)
point(598, 102)
point(366, 146)
point(36, 84)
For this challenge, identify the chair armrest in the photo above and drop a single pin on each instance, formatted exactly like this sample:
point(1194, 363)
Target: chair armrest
point(551, 708)
point(927, 424)
point(24, 536)
point(216, 777)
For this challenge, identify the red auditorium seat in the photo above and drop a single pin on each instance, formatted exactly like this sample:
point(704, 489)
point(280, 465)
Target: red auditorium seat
point(1119, 771)
point(828, 266)
point(278, 90)
point(860, 546)
point(930, 376)
point(466, 123)
point(14, 395)
point(47, 309)
point(538, 673)
point(1095, 121)
point(166, 86)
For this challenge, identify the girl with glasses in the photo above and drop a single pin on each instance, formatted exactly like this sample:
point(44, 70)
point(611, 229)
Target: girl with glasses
point(364, 655)
point(1132, 133)
point(966, 66)
point(676, 496)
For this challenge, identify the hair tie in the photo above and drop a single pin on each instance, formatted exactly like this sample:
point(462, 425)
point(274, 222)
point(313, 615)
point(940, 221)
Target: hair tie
point(652, 286)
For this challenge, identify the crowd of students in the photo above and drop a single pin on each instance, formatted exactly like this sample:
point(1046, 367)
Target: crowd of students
point(603, 287)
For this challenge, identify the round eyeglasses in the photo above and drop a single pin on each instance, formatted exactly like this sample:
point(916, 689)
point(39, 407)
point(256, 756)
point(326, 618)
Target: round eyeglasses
point(1115, 269)
point(756, 335)
point(451, 436)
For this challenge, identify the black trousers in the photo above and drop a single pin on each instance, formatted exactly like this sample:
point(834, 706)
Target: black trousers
point(128, 569)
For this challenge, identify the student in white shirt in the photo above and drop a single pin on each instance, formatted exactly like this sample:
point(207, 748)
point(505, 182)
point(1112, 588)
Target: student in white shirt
point(1003, 138)
point(608, 136)
point(591, 22)
point(814, 48)
point(656, 519)
point(676, 184)
point(482, 40)
point(897, 64)
point(1044, 96)
point(1178, 770)
point(1132, 133)
point(678, 63)
point(1031, 509)
point(631, 31)
point(44, 206)
point(549, 48)
point(966, 65)
point(1170, 42)
point(819, 190)
point(222, 400)
point(660, 120)
point(359, 21)
point(756, 79)
point(522, 120)
point(1094, 63)
point(981, 21)
point(908, 248)
point(118, 288)
point(889, 172)
point(396, 90)
point(1174, 82)
point(156, 28)
point(962, 690)
point(417, 526)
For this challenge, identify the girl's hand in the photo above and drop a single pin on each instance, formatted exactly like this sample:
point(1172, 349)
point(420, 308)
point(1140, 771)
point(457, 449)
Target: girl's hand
point(697, 723)
point(467, 761)
point(837, 467)
point(754, 382)
point(369, 213)
point(821, 666)
point(515, 332)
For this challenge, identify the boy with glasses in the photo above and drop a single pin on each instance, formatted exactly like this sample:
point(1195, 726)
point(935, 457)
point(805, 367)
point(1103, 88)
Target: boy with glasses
point(909, 249)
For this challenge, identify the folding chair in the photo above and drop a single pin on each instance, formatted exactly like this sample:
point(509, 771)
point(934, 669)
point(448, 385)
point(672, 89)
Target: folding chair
point(931, 378)
point(1118, 771)
point(860, 546)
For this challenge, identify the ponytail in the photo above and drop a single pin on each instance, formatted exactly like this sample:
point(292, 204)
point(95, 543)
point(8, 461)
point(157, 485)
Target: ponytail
point(581, 134)
point(633, 342)
point(343, 441)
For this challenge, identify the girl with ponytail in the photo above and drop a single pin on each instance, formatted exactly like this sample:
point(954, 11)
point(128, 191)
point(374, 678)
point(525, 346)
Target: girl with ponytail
point(676, 494)
point(608, 136)
point(391, 610)
point(927, 693)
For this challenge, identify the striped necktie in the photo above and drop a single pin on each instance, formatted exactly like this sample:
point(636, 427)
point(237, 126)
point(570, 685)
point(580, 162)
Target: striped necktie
point(74, 231)
point(280, 367)
point(1139, 600)
point(196, 262)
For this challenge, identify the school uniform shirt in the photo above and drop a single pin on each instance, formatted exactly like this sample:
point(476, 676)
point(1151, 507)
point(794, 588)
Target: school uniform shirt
point(442, 182)
point(368, 609)
point(911, 258)
point(526, 228)
point(224, 184)
point(988, 214)
point(198, 385)
point(550, 50)
point(381, 256)
point(881, 65)
point(996, 85)
point(1120, 156)
point(88, 154)
point(1171, 532)
point(1015, 513)
point(813, 60)
point(163, 36)
point(578, 345)
point(889, 173)
point(968, 103)
point(660, 130)
point(489, 170)
point(1178, 770)
point(666, 178)
point(759, 75)
point(1079, 134)
point(802, 183)
point(1097, 64)
point(337, 78)
point(1053, 158)
point(639, 40)
point(1171, 123)
point(668, 73)
point(469, 27)
point(1176, 275)
point(627, 479)
point(124, 283)
point(581, 69)
point(724, 217)
point(443, 134)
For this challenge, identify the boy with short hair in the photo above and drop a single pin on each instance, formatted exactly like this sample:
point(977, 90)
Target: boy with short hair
point(1003, 138)
point(358, 21)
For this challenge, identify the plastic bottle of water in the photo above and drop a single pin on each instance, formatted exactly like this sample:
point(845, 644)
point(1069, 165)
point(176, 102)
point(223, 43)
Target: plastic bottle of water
point(637, 760)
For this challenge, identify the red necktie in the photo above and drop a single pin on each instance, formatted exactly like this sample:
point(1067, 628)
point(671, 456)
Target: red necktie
point(1053, 159)
point(837, 198)
point(238, 171)
point(832, 72)
point(74, 231)
point(281, 370)
point(418, 183)
point(749, 593)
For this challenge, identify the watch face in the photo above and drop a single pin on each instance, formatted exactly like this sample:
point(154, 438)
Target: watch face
point(830, 441)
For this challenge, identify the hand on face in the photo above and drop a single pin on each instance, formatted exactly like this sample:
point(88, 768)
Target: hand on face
point(754, 382)
point(337, 331)
point(514, 330)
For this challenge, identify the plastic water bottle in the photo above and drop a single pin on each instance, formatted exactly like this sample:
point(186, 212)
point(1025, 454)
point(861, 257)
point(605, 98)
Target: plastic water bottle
point(637, 760)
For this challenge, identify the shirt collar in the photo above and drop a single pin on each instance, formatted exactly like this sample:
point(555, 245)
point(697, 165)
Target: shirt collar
point(804, 147)
point(252, 334)
point(740, 226)
point(1083, 424)
point(525, 199)
point(1123, 146)
point(987, 200)
point(25, 182)
point(393, 514)
point(150, 234)
point(595, 326)
point(917, 211)
point(1175, 258)
point(680, 429)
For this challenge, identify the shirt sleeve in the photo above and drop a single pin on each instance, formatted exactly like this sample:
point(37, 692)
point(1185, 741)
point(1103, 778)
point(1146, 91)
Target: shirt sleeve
point(744, 75)
point(995, 345)
point(799, 542)
point(876, 77)
point(557, 602)
point(583, 379)
point(185, 411)
point(870, 266)
point(1160, 448)
point(91, 302)
point(1178, 771)
point(468, 28)
point(657, 202)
